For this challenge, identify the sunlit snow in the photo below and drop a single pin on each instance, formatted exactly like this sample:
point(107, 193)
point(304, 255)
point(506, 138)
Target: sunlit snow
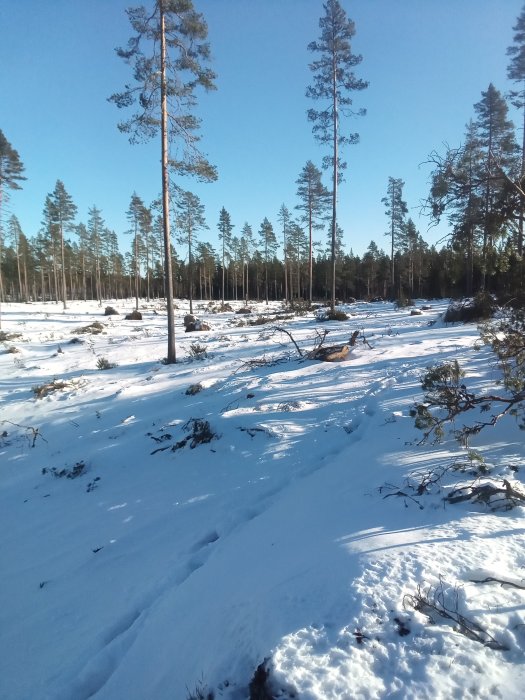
point(161, 568)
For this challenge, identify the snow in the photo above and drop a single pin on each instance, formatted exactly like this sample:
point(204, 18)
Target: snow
point(157, 572)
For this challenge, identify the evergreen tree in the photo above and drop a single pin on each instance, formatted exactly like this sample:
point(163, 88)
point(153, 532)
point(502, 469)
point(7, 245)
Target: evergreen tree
point(247, 245)
point(16, 235)
point(334, 81)
point(495, 133)
point(269, 247)
point(135, 217)
point(284, 218)
point(225, 227)
point(297, 255)
point(396, 210)
point(166, 78)
point(63, 212)
point(456, 188)
point(190, 219)
point(516, 73)
point(11, 174)
point(314, 203)
point(95, 227)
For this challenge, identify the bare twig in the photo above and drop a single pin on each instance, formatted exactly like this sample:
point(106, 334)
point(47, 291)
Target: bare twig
point(33, 433)
point(431, 602)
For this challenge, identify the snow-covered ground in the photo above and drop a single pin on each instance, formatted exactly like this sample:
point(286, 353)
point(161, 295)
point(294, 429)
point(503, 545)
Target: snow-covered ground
point(163, 571)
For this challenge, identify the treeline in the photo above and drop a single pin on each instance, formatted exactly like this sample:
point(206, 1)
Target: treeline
point(242, 268)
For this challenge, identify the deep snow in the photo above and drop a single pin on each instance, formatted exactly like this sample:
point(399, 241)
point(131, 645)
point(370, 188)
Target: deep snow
point(158, 572)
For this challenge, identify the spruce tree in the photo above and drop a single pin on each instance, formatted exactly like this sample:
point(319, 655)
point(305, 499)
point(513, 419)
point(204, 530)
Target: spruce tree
point(333, 82)
point(166, 77)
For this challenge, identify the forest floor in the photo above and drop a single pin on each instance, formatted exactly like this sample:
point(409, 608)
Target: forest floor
point(166, 529)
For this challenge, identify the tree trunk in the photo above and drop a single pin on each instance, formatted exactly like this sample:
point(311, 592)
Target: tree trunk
point(171, 356)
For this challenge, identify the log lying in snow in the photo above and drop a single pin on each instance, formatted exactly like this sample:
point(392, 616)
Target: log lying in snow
point(331, 353)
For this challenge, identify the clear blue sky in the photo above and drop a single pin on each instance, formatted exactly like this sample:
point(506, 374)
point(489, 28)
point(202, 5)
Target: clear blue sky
point(427, 62)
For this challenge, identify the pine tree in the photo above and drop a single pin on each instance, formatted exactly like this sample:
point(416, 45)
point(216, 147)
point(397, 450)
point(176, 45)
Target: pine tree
point(495, 133)
point(63, 212)
point(225, 227)
point(166, 80)
point(11, 174)
point(516, 73)
point(247, 244)
point(396, 210)
point(135, 216)
point(16, 235)
point(95, 227)
point(190, 219)
point(284, 218)
point(269, 247)
point(314, 204)
point(334, 80)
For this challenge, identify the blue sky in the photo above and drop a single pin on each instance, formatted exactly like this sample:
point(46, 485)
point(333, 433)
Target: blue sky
point(427, 62)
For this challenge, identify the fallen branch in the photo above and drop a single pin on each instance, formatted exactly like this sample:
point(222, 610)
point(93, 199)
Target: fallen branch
point(432, 602)
point(34, 433)
point(492, 579)
point(508, 496)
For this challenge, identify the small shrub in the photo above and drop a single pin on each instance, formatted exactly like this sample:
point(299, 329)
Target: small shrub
point(329, 315)
point(194, 389)
point(200, 433)
point(403, 301)
point(43, 390)
point(260, 321)
point(4, 336)
point(104, 363)
point(481, 308)
point(93, 328)
point(133, 316)
point(200, 693)
point(243, 310)
point(77, 470)
point(259, 685)
point(198, 352)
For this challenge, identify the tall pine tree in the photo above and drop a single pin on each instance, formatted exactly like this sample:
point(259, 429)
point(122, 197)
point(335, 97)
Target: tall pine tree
point(166, 76)
point(63, 212)
point(516, 73)
point(11, 174)
point(333, 82)
point(225, 227)
point(314, 201)
point(396, 210)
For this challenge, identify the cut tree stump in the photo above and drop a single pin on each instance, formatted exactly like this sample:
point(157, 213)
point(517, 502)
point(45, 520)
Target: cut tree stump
point(331, 353)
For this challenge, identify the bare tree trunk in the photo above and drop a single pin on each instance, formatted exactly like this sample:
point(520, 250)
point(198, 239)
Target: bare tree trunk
point(335, 181)
point(171, 356)
point(63, 265)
